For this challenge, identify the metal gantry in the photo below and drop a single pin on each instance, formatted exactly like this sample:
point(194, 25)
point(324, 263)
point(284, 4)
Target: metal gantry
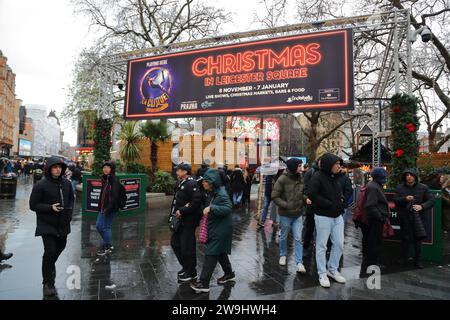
point(395, 24)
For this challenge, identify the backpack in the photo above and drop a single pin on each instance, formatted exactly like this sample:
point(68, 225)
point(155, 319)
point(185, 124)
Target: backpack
point(359, 215)
point(122, 196)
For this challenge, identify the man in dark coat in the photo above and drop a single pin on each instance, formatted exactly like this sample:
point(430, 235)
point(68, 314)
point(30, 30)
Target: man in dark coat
point(328, 205)
point(237, 186)
point(203, 168)
point(52, 200)
point(412, 197)
point(187, 207)
point(225, 180)
point(377, 208)
point(220, 232)
point(108, 206)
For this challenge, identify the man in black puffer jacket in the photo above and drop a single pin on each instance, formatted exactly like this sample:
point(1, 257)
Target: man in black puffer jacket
point(328, 205)
point(412, 197)
point(187, 207)
point(52, 200)
point(108, 206)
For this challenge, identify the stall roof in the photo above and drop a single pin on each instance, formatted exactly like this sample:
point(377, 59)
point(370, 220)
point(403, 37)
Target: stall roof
point(364, 155)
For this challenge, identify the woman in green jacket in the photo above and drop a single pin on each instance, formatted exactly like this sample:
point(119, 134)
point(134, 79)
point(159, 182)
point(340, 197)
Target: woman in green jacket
point(220, 232)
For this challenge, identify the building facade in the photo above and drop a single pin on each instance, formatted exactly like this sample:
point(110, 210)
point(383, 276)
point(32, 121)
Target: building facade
point(46, 131)
point(8, 106)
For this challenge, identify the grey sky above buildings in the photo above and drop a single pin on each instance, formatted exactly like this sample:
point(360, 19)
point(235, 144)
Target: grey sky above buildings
point(42, 40)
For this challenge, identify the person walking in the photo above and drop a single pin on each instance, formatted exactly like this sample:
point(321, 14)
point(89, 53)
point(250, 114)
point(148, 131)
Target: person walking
point(377, 209)
point(413, 200)
point(76, 177)
point(237, 186)
point(108, 206)
point(218, 210)
point(268, 182)
point(187, 207)
point(52, 200)
point(328, 205)
point(288, 195)
point(309, 216)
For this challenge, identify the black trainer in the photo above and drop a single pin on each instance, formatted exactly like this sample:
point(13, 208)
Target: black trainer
point(5, 256)
point(198, 287)
point(180, 272)
point(184, 277)
point(101, 252)
point(109, 250)
point(226, 278)
point(49, 290)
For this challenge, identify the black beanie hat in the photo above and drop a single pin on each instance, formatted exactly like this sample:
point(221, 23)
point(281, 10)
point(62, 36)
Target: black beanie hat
point(292, 164)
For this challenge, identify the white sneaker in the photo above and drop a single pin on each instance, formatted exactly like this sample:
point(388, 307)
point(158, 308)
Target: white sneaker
point(282, 261)
point(324, 281)
point(301, 268)
point(336, 276)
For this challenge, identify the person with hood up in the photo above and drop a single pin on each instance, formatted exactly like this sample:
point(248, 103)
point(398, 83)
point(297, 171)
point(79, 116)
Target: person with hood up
point(412, 197)
point(328, 205)
point(218, 209)
point(108, 206)
point(287, 194)
point(377, 208)
point(52, 200)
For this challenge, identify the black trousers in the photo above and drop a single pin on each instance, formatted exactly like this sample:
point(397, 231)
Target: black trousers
point(310, 225)
point(184, 245)
point(53, 247)
point(210, 265)
point(374, 243)
point(408, 238)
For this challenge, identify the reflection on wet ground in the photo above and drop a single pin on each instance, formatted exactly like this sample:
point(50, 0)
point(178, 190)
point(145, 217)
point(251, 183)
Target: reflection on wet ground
point(143, 265)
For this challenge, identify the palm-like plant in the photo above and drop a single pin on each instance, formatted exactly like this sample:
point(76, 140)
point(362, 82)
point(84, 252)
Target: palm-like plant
point(129, 138)
point(154, 131)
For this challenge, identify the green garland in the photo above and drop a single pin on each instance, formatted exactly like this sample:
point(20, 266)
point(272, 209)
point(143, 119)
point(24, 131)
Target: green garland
point(102, 144)
point(404, 126)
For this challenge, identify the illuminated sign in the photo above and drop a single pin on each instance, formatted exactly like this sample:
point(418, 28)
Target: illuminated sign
point(308, 72)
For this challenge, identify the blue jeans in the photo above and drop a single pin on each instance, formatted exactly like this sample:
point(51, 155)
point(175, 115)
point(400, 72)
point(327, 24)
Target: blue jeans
point(296, 224)
point(326, 227)
point(74, 186)
point(265, 209)
point(104, 222)
point(237, 197)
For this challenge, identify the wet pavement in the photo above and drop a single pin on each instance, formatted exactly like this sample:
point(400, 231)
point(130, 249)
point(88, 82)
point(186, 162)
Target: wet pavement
point(143, 265)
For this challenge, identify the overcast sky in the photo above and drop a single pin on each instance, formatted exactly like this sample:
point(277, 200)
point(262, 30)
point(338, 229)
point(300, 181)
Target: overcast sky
point(42, 38)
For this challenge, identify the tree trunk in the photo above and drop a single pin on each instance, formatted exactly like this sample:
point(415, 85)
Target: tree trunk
point(313, 143)
point(154, 155)
point(432, 142)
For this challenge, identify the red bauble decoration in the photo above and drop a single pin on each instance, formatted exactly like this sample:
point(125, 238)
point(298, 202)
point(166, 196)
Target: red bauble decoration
point(396, 109)
point(399, 153)
point(410, 127)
